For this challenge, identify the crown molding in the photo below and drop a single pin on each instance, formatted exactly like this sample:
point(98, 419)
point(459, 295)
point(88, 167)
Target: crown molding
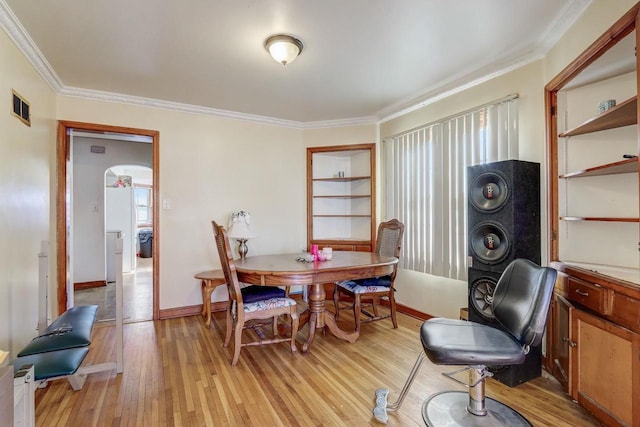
point(356, 121)
point(17, 33)
point(14, 29)
point(460, 85)
point(568, 16)
point(96, 95)
point(565, 20)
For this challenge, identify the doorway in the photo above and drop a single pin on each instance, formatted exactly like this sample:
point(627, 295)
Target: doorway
point(64, 203)
point(128, 203)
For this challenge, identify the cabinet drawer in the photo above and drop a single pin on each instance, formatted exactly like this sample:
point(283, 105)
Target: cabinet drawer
point(590, 295)
point(626, 311)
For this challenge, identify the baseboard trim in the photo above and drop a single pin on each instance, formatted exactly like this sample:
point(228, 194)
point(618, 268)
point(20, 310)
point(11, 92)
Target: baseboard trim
point(219, 306)
point(89, 285)
point(191, 310)
point(412, 312)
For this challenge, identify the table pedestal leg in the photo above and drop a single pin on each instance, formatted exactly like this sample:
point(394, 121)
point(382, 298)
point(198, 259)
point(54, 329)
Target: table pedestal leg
point(318, 317)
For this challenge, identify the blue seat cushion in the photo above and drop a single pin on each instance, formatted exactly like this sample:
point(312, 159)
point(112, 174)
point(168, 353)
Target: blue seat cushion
point(375, 281)
point(53, 363)
point(369, 285)
point(256, 293)
point(71, 329)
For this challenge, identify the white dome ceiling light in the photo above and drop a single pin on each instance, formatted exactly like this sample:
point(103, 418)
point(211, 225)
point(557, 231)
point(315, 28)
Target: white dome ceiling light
point(283, 48)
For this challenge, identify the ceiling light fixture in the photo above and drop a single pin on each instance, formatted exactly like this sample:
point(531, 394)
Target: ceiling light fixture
point(283, 48)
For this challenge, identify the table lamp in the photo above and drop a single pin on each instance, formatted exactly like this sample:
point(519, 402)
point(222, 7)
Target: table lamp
point(240, 229)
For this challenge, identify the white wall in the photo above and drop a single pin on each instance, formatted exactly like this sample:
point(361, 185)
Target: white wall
point(27, 176)
point(210, 167)
point(88, 199)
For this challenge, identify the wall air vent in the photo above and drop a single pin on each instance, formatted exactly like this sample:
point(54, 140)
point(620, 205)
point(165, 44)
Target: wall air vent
point(20, 108)
point(98, 149)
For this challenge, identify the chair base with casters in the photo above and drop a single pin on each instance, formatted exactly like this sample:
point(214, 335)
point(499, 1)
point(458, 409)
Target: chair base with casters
point(454, 408)
point(521, 303)
point(450, 408)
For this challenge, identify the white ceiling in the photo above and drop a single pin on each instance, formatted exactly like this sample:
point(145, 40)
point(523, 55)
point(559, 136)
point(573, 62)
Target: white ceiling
point(363, 60)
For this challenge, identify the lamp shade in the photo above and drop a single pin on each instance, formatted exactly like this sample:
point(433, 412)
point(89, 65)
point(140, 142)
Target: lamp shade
point(240, 226)
point(240, 230)
point(283, 48)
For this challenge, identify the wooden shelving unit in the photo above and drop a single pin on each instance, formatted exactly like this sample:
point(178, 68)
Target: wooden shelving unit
point(623, 166)
point(623, 114)
point(605, 219)
point(341, 209)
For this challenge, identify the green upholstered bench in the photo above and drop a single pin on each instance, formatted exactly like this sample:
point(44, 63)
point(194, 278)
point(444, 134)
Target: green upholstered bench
point(61, 348)
point(72, 329)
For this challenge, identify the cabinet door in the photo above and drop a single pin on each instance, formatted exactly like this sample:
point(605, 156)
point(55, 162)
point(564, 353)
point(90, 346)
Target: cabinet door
point(561, 344)
point(605, 369)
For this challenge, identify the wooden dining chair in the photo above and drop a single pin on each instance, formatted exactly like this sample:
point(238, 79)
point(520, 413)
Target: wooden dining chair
point(371, 290)
point(251, 303)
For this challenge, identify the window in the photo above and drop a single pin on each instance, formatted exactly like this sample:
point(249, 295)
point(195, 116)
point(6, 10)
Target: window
point(144, 205)
point(424, 175)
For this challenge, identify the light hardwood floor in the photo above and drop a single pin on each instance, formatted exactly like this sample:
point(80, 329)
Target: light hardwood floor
point(177, 373)
point(138, 295)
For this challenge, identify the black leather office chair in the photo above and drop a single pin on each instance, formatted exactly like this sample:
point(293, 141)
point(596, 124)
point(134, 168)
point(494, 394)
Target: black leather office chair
point(520, 304)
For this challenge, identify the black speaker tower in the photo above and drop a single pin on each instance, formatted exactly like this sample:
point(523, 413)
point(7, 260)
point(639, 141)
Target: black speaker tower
point(503, 224)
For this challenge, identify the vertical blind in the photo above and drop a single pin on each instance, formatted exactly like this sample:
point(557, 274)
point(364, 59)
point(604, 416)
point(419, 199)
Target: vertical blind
point(424, 181)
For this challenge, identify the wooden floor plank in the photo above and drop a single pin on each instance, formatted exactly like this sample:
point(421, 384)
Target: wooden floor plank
point(177, 373)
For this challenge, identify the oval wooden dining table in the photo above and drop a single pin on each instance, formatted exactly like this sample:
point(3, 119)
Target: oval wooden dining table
point(285, 270)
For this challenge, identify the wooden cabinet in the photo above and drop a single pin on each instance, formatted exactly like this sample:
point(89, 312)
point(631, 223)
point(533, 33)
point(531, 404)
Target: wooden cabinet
point(593, 332)
point(341, 197)
point(594, 344)
point(606, 369)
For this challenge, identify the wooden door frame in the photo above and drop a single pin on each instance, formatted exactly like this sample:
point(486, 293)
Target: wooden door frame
point(62, 156)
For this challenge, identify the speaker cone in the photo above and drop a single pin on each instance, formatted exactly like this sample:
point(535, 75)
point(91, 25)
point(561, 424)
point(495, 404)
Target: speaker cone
point(488, 192)
point(489, 242)
point(481, 297)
